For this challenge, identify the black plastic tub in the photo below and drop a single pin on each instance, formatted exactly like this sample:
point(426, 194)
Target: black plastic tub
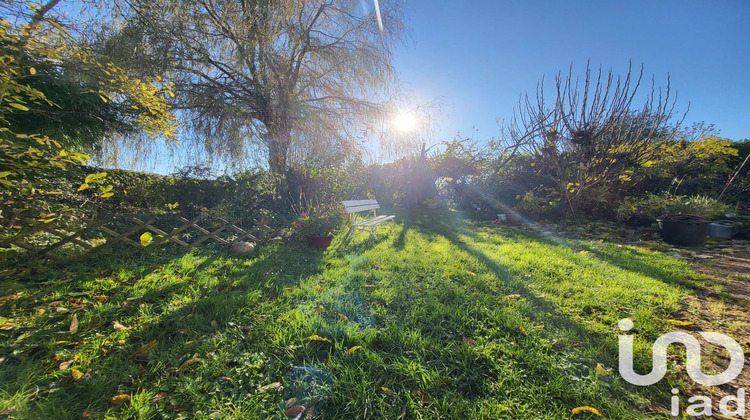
point(683, 229)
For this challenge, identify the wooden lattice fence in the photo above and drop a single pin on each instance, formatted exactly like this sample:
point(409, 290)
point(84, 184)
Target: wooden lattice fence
point(52, 241)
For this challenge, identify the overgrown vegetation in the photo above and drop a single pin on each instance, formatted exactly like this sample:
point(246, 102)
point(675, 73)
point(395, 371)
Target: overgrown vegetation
point(443, 318)
point(41, 140)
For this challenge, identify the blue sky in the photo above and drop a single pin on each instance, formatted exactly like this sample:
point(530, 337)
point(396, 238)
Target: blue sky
point(478, 56)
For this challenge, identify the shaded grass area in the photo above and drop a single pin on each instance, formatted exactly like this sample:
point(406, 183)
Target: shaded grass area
point(440, 318)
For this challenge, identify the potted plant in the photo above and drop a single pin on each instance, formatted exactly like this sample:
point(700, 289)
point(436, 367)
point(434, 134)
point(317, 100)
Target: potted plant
point(318, 224)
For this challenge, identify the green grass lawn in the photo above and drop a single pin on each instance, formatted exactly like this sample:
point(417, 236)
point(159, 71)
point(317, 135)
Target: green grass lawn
point(440, 318)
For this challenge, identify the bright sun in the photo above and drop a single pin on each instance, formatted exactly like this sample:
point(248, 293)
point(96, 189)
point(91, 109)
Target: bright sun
point(405, 122)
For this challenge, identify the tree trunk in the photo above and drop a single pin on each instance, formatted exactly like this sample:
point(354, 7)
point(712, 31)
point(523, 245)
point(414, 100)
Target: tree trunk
point(278, 142)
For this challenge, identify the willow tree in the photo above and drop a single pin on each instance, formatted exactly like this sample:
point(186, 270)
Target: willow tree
point(285, 75)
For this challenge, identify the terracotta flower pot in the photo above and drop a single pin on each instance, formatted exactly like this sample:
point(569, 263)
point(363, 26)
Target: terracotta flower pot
point(319, 241)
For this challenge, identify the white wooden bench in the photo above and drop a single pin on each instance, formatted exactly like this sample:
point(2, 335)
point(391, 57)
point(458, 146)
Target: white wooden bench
point(369, 224)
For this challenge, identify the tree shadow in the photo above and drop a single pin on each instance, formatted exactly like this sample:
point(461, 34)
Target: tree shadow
point(505, 273)
point(629, 259)
point(178, 314)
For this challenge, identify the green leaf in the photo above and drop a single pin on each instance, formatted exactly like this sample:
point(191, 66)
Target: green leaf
point(93, 177)
point(18, 106)
point(146, 239)
point(5, 173)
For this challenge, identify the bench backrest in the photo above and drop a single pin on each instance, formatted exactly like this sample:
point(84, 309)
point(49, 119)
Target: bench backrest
point(354, 206)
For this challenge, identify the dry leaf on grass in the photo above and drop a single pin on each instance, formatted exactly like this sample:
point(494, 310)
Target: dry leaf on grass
point(66, 364)
point(316, 337)
point(275, 386)
point(120, 399)
point(678, 322)
point(601, 371)
point(295, 411)
point(353, 349)
point(585, 409)
point(73, 325)
point(118, 327)
point(186, 364)
point(469, 341)
point(421, 395)
point(159, 396)
point(145, 349)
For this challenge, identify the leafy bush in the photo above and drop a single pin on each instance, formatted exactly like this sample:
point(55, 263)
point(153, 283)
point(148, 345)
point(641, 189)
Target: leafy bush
point(541, 201)
point(645, 210)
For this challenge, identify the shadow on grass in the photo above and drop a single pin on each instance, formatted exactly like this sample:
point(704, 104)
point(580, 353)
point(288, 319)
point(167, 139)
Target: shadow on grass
point(631, 260)
point(171, 297)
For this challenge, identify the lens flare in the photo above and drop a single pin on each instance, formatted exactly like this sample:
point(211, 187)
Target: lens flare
point(405, 122)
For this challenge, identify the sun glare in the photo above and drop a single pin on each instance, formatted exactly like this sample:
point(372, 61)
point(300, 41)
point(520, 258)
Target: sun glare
point(405, 122)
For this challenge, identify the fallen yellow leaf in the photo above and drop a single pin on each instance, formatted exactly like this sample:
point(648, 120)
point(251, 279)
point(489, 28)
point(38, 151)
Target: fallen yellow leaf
point(344, 317)
point(316, 337)
point(77, 374)
point(678, 322)
point(471, 272)
point(353, 349)
point(588, 409)
point(66, 364)
point(600, 370)
point(120, 399)
point(387, 390)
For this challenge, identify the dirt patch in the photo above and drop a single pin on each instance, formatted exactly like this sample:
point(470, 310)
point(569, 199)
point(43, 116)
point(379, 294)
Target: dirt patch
point(722, 304)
